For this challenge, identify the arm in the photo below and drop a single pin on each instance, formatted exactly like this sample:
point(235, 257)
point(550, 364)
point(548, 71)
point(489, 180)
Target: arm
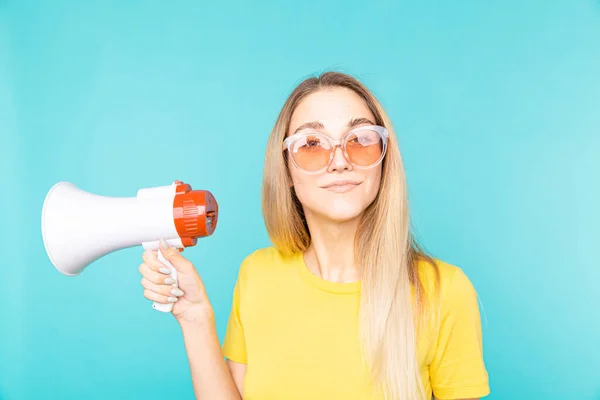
point(238, 372)
point(211, 375)
point(211, 378)
point(457, 370)
point(215, 375)
point(435, 398)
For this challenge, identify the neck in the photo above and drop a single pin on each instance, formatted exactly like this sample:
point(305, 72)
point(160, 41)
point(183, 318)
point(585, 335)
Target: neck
point(331, 252)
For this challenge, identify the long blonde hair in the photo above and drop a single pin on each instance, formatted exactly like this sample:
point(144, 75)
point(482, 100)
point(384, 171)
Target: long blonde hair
point(385, 249)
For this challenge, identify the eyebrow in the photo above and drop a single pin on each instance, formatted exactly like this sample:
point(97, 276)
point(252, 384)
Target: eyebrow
point(359, 121)
point(319, 125)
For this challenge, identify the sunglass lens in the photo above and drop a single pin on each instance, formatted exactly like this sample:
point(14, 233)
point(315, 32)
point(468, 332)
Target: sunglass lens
point(311, 153)
point(364, 147)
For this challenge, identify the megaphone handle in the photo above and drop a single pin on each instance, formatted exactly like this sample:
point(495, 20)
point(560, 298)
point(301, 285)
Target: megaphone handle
point(169, 306)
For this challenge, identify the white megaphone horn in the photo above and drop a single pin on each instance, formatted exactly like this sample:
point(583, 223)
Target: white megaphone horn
point(79, 227)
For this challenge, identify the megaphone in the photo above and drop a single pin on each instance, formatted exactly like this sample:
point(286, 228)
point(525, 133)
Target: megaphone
point(79, 227)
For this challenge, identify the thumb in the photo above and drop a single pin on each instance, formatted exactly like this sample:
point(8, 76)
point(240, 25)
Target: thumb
point(174, 256)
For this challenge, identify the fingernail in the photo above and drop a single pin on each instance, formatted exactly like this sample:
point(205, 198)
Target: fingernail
point(172, 299)
point(165, 271)
point(164, 244)
point(169, 281)
point(176, 292)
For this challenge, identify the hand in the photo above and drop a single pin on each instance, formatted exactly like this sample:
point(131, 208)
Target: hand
point(190, 298)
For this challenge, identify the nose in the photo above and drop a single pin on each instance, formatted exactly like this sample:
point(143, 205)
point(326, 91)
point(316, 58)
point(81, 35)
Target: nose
point(339, 162)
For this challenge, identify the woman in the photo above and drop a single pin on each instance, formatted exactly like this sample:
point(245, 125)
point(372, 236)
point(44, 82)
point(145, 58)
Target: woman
point(344, 305)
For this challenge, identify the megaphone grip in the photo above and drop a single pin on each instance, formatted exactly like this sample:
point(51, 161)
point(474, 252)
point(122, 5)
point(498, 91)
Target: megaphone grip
point(169, 306)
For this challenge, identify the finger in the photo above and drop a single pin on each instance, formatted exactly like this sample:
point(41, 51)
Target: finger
point(150, 257)
point(159, 298)
point(164, 290)
point(175, 257)
point(155, 277)
point(162, 269)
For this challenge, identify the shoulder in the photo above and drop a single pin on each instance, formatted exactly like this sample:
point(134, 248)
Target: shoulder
point(264, 262)
point(457, 368)
point(448, 281)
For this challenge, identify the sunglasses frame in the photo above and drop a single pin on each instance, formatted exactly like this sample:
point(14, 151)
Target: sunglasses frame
point(335, 143)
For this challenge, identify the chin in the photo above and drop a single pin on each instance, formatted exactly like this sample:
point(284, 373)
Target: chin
point(342, 217)
point(336, 207)
point(341, 211)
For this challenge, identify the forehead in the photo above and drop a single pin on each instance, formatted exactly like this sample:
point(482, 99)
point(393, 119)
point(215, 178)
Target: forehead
point(332, 107)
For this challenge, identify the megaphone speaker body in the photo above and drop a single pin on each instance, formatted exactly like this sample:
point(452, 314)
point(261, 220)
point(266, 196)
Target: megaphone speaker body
point(79, 227)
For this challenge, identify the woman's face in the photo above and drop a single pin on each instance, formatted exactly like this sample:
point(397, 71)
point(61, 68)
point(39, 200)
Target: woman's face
point(341, 192)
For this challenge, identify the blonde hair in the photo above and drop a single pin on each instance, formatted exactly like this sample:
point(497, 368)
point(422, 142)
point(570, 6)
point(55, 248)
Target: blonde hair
point(385, 249)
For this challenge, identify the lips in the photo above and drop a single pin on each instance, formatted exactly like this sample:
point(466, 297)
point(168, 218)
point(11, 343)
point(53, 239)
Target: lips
point(341, 186)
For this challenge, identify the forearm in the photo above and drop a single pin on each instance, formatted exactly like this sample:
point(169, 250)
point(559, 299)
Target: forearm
point(210, 376)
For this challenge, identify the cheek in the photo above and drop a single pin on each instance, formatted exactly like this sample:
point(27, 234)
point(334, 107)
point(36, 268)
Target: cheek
point(372, 181)
point(338, 206)
point(304, 185)
point(297, 178)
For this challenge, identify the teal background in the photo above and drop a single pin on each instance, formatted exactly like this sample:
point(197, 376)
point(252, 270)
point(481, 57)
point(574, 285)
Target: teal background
point(497, 108)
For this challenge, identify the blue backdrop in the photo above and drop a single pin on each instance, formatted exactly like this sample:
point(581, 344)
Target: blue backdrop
point(497, 107)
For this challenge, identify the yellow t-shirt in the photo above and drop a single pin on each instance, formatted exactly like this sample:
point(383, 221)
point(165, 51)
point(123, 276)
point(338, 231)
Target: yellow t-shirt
point(298, 334)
